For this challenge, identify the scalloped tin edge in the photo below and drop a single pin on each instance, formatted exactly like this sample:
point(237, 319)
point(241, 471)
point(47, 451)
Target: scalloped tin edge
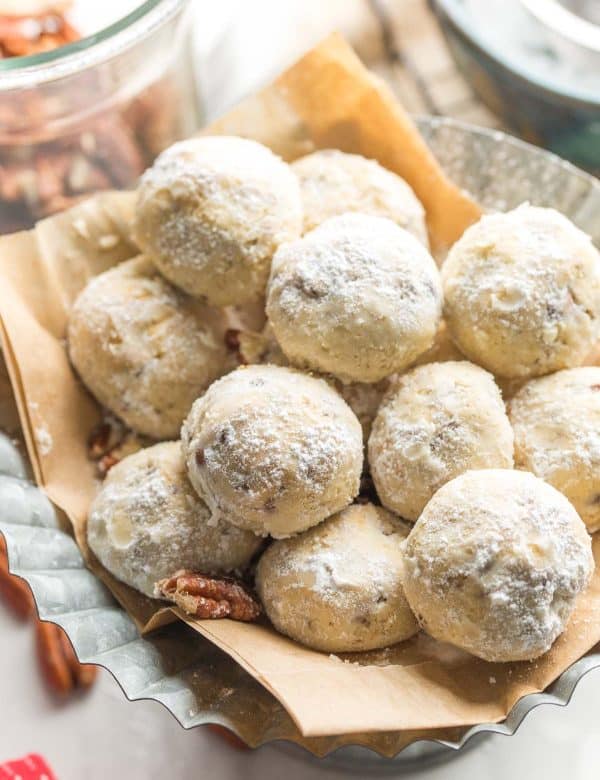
point(32, 517)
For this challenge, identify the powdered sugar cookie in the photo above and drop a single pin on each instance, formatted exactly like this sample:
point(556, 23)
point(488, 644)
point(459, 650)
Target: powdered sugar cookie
point(334, 183)
point(358, 297)
point(212, 211)
point(338, 587)
point(522, 293)
point(495, 563)
point(556, 420)
point(145, 349)
point(437, 421)
point(147, 523)
point(273, 450)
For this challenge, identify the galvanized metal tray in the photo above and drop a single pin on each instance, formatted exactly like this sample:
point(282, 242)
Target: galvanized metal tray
point(194, 680)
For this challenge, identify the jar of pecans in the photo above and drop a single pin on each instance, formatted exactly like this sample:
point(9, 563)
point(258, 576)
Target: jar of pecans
point(82, 113)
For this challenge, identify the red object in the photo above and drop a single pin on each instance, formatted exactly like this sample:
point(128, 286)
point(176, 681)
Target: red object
point(32, 767)
point(225, 734)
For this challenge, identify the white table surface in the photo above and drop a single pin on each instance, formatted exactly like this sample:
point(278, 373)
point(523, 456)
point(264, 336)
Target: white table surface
point(103, 735)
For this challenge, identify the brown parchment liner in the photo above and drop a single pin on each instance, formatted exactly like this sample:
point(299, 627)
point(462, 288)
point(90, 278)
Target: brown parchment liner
point(419, 687)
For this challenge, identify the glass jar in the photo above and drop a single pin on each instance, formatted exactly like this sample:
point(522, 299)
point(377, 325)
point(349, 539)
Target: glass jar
point(93, 114)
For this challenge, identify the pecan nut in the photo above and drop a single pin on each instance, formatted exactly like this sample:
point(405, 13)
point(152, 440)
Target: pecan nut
point(60, 667)
point(228, 736)
point(208, 597)
point(110, 442)
point(104, 437)
point(14, 591)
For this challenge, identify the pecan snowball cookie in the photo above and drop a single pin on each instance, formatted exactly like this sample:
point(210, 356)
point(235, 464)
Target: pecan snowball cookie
point(145, 349)
point(358, 297)
point(334, 182)
point(361, 397)
point(147, 523)
point(556, 420)
point(495, 563)
point(273, 450)
point(212, 211)
point(436, 422)
point(338, 587)
point(522, 293)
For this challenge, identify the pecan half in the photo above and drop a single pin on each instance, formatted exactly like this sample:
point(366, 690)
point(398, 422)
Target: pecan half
point(130, 444)
point(209, 597)
point(104, 437)
point(110, 442)
point(14, 591)
point(59, 665)
point(228, 736)
point(61, 670)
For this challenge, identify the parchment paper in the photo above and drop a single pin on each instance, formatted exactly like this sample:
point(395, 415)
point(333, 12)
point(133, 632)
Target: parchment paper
point(326, 100)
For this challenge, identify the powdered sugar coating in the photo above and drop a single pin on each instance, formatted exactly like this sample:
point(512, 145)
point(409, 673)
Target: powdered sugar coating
point(556, 420)
point(522, 292)
point(273, 450)
point(334, 183)
point(211, 212)
point(495, 563)
point(436, 422)
point(145, 349)
point(338, 587)
point(363, 398)
point(147, 522)
point(358, 297)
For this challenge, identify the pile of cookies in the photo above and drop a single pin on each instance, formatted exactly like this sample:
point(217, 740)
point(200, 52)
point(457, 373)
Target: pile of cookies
point(361, 471)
